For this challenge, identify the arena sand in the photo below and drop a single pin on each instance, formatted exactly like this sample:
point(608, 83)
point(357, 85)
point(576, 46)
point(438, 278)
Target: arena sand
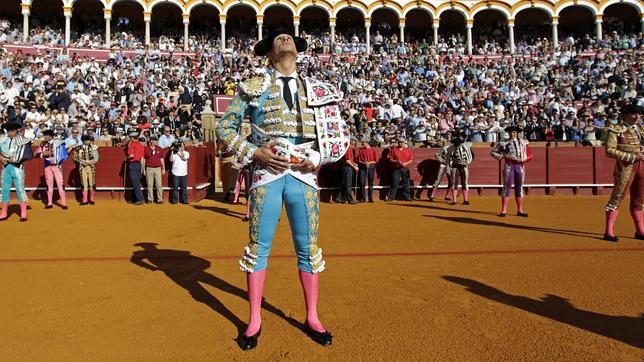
point(405, 281)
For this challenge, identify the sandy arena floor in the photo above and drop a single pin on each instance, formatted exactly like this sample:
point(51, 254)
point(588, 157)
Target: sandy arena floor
point(415, 281)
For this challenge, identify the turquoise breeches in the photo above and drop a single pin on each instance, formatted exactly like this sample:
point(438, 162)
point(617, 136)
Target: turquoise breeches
point(301, 201)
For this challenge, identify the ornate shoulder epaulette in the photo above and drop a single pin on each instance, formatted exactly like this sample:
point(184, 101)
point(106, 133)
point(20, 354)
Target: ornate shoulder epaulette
point(256, 86)
point(320, 93)
point(617, 128)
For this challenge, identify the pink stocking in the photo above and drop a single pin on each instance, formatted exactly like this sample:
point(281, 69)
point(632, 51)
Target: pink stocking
point(5, 210)
point(466, 195)
point(255, 283)
point(638, 219)
point(58, 174)
point(92, 193)
point(49, 180)
point(504, 204)
point(23, 210)
point(519, 204)
point(310, 287)
point(611, 217)
point(84, 196)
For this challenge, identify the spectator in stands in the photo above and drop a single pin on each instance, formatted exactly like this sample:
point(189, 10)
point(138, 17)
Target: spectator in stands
point(167, 139)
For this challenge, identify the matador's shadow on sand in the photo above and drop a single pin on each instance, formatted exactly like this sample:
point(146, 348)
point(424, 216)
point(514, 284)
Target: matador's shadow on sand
point(629, 330)
point(189, 272)
point(469, 220)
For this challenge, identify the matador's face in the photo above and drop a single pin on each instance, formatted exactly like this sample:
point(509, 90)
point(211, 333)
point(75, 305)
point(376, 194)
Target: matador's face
point(283, 44)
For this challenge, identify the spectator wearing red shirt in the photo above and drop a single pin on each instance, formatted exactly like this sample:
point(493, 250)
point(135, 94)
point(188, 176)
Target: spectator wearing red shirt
point(153, 165)
point(347, 167)
point(400, 157)
point(367, 158)
point(135, 152)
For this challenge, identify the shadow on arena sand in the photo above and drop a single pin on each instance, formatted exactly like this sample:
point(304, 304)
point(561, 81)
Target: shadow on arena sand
point(220, 210)
point(189, 272)
point(469, 220)
point(629, 330)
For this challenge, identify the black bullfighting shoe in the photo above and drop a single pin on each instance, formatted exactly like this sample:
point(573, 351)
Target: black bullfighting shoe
point(247, 343)
point(323, 338)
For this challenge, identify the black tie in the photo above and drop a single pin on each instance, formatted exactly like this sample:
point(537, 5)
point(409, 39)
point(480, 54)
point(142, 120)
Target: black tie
point(286, 92)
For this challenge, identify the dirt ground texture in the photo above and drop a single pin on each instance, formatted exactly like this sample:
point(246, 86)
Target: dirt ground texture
point(404, 281)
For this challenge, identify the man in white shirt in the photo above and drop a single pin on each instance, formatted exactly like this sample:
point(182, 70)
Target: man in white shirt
point(179, 159)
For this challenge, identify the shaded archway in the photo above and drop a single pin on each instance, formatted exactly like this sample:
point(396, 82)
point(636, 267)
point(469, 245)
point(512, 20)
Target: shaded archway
point(622, 19)
point(350, 23)
point(47, 13)
point(532, 24)
point(277, 16)
point(127, 17)
point(241, 22)
point(576, 21)
point(314, 21)
point(418, 26)
point(167, 21)
point(385, 22)
point(452, 27)
point(490, 31)
point(87, 18)
point(204, 22)
point(11, 10)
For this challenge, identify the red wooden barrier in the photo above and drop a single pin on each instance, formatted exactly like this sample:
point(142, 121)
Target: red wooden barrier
point(111, 175)
point(569, 169)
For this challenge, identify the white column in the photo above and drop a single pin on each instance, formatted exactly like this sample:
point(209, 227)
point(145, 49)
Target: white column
point(469, 39)
point(555, 34)
point(147, 17)
point(511, 31)
point(67, 10)
point(222, 23)
point(367, 27)
point(260, 26)
point(598, 27)
point(186, 35)
point(435, 27)
point(25, 23)
point(642, 25)
point(296, 25)
point(108, 29)
point(402, 33)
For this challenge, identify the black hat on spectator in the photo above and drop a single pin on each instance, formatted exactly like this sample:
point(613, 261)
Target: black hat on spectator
point(513, 129)
point(12, 126)
point(48, 132)
point(87, 138)
point(263, 47)
point(634, 107)
point(154, 138)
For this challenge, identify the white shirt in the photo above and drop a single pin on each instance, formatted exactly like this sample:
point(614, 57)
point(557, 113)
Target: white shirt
point(179, 166)
point(292, 84)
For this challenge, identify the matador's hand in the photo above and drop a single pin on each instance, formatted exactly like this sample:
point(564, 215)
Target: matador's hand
point(304, 167)
point(266, 157)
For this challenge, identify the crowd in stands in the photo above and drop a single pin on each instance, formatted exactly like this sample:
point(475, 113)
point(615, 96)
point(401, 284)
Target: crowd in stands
point(399, 91)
